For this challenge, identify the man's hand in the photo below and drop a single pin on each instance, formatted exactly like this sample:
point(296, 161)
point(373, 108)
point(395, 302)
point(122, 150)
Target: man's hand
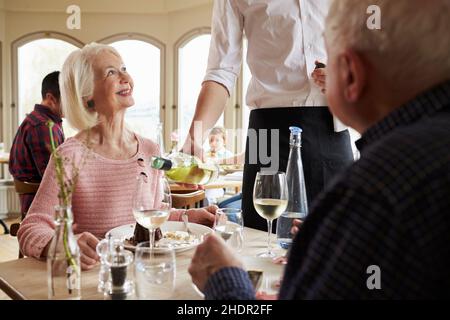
point(211, 256)
point(88, 255)
point(295, 226)
point(319, 75)
point(203, 216)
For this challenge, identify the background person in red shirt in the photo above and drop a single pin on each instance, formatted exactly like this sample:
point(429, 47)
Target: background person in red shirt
point(31, 151)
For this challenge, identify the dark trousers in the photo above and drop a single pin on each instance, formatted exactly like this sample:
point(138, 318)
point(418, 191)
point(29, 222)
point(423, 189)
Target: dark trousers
point(324, 152)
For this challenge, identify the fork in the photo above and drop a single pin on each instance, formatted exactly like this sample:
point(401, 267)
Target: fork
point(184, 216)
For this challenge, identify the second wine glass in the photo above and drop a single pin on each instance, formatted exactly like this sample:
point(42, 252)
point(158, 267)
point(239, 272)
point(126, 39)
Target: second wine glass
point(270, 198)
point(151, 203)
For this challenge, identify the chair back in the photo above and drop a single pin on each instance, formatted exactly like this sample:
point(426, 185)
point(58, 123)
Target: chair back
point(188, 200)
point(24, 187)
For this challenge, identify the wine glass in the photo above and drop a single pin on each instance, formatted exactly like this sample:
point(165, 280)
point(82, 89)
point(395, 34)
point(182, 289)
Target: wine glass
point(229, 225)
point(151, 202)
point(270, 198)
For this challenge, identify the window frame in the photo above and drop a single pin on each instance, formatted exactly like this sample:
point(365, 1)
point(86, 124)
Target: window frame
point(180, 43)
point(15, 45)
point(2, 134)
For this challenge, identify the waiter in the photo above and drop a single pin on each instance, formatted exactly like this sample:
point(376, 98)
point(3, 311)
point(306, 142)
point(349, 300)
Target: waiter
point(284, 41)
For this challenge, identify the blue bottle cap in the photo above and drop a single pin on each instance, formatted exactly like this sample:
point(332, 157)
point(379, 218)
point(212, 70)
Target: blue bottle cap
point(295, 130)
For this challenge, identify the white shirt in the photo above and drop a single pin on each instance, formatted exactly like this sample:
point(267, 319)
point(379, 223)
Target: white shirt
point(285, 38)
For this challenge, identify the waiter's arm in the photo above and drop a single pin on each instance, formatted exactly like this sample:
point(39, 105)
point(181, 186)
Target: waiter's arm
point(210, 105)
point(224, 65)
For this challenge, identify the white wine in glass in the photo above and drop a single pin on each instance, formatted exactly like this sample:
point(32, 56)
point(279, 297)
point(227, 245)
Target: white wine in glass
point(151, 203)
point(270, 209)
point(270, 198)
point(151, 219)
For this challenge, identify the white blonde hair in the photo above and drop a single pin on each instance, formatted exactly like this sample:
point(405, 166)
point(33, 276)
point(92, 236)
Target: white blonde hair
point(413, 45)
point(76, 82)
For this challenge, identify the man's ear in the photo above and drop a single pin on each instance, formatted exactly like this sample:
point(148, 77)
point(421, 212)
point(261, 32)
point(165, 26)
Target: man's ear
point(353, 75)
point(50, 97)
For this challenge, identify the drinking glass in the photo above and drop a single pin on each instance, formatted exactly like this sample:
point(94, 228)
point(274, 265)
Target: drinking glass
point(151, 202)
point(270, 198)
point(155, 271)
point(229, 224)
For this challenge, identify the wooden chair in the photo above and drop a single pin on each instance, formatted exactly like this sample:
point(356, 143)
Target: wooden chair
point(188, 200)
point(22, 187)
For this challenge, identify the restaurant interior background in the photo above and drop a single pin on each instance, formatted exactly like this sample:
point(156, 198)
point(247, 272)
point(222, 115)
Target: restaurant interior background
point(164, 44)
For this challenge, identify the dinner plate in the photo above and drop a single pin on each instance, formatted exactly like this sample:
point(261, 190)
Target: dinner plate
point(231, 168)
point(169, 227)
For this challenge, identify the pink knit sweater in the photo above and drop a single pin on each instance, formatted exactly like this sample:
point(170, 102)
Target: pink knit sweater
point(102, 199)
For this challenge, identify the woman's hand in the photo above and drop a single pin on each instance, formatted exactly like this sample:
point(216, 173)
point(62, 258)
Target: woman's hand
point(88, 255)
point(203, 216)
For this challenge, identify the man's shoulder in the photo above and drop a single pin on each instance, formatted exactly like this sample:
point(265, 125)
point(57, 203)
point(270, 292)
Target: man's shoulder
point(408, 154)
point(35, 119)
point(429, 138)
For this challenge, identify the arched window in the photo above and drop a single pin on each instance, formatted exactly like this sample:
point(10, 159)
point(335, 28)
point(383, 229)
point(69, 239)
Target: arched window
point(144, 59)
point(34, 57)
point(191, 62)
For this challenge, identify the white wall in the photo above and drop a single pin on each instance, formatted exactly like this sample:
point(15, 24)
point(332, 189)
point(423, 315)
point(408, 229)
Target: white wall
point(165, 20)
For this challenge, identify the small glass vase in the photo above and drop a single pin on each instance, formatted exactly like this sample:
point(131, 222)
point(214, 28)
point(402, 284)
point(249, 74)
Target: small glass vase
point(63, 259)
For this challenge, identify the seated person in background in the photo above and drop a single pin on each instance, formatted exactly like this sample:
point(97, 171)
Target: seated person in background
point(380, 230)
point(217, 145)
point(217, 151)
point(96, 90)
point(30, 151)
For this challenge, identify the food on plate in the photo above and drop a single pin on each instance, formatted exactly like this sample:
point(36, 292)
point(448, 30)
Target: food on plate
point(230, 168)
point(142, 234)
point(181, 236)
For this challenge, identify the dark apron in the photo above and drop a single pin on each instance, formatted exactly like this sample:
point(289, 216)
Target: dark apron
point(324, 152)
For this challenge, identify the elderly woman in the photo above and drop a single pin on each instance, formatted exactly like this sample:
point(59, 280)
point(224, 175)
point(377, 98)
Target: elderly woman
point(96, 90)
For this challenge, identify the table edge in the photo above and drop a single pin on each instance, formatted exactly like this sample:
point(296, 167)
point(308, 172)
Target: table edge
point(10, 291)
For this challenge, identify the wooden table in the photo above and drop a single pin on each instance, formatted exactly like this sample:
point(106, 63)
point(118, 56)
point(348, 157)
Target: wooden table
point(27, 278)
point(218, 184)
point(4, 158)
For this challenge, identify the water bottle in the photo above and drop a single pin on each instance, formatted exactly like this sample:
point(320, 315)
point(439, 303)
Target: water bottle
point(297, 207)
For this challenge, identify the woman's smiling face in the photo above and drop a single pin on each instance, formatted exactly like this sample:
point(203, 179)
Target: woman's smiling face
point(113, 86)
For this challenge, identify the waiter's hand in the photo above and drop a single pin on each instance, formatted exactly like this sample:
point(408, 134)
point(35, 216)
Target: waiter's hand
point(194, 149)
point(319, 75)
